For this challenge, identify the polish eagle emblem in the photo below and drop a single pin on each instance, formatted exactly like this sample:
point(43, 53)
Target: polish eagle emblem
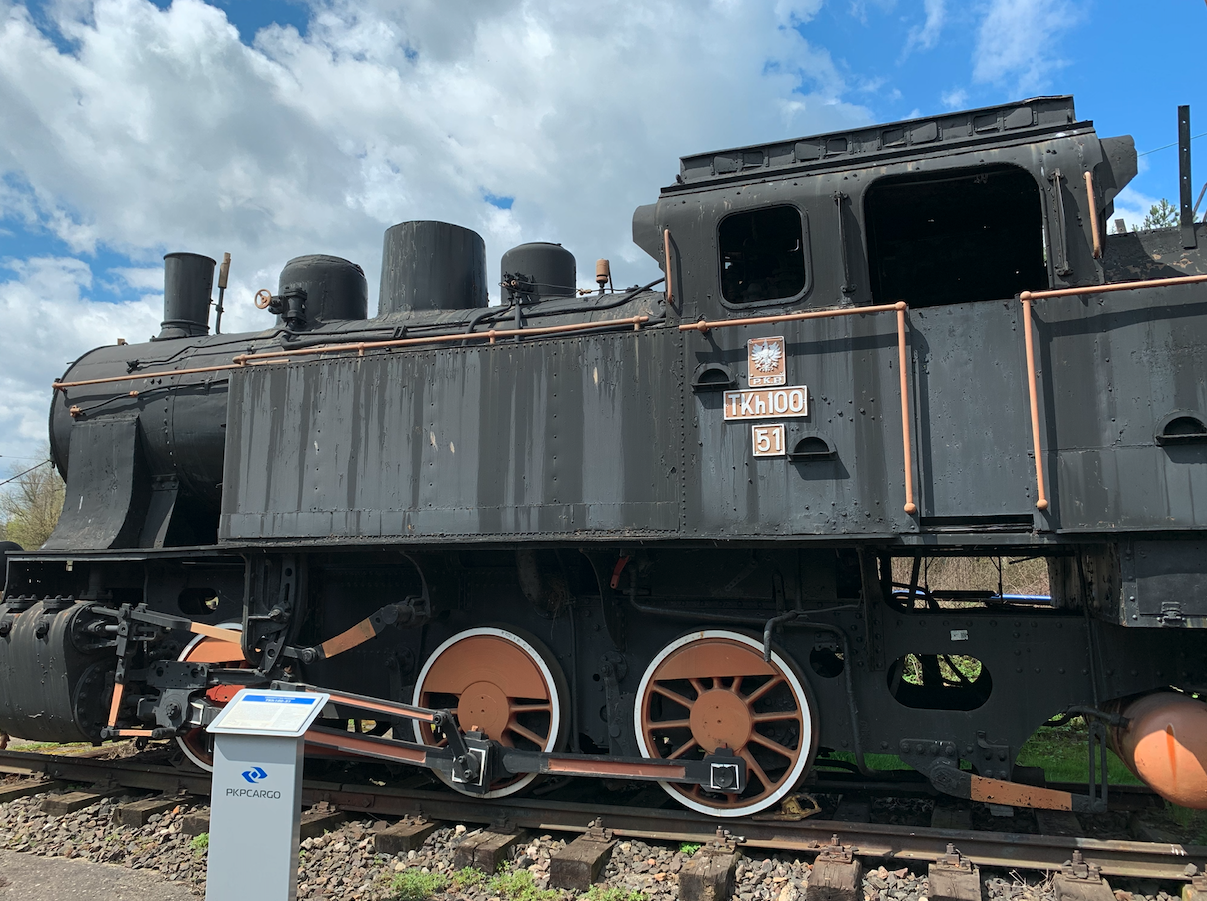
point(767, 356)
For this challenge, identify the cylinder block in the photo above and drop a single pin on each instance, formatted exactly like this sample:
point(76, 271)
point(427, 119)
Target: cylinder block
point(56, 673)
point(432, 266)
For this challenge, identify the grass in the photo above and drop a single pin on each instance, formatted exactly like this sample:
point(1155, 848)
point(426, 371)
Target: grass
point(200, 843)
point(1059, 750)
point(598, 893)
point(467, 878)
point(688, 847)
point(1192, 823)
point(1018, 576)
point(518, 885)
point(413, 884)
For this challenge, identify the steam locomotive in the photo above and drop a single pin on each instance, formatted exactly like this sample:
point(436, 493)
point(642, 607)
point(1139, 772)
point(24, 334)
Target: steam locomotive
point(651, 534)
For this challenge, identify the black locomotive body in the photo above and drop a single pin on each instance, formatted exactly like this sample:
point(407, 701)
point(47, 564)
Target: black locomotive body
point(662, 524)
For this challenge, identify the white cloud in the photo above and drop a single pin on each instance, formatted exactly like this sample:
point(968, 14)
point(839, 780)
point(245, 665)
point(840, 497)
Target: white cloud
point(48, 322)
point(1019, 40)
point(957, 98)
point(159, 130)
point(1131, 206)
point(926, 35)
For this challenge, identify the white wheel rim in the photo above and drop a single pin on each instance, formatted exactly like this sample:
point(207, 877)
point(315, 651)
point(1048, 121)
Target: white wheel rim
point(180, 742)
point(546, 674)
point(794, 683)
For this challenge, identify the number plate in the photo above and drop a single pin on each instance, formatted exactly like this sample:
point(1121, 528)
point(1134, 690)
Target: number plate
point(767, 403)
point(768, 440)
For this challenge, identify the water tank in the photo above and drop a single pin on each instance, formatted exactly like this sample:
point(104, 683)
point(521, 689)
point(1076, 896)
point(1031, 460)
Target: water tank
point(550, 267)
point(335, 288)
point(188, 281)
point(429, 265)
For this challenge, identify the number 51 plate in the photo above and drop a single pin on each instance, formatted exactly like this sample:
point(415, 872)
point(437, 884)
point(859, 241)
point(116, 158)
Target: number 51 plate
point(768, 440)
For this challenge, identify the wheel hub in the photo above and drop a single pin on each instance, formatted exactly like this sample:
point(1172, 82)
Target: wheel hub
point(720, 719)
point(484, 707)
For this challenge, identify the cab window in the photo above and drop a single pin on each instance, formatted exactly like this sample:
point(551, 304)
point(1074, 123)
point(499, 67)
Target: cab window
point(953, 237)
point(762, 255)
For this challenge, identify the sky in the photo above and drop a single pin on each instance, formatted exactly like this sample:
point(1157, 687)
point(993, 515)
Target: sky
point(274, 128)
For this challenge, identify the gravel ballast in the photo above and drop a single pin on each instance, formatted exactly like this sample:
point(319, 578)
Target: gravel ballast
point(343, 864)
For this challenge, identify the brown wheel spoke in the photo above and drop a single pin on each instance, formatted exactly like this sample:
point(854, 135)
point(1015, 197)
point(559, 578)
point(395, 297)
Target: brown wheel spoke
point(753, 769)
point(763, 690)
point(777, 716)
point(527, 733)
point(671, 724)
point(683, 749)
point(514, 708)
point(772, 745)
point(699, 687)
point(736, 686)
point(673, 695)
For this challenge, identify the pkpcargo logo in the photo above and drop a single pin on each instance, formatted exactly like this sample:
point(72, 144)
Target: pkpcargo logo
point(255, 775)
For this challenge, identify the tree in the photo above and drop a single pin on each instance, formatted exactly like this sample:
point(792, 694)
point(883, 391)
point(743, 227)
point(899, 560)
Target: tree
point(1161, 215)
point(30, 505)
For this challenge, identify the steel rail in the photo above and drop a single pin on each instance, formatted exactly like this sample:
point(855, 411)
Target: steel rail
point(1150, 860)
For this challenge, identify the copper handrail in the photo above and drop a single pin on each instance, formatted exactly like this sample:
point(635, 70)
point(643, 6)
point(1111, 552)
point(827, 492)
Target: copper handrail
point(704, 326)
point(1026, 298)
point(910, 507)
point(1041, 502)
point(285, 356)
point(1092, 206)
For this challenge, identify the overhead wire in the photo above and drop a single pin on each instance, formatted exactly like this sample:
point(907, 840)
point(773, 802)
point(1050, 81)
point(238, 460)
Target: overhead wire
point(25, 473)
point(1167, 146)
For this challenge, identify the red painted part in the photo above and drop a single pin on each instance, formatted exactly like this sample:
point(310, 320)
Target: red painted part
point(1165, 745)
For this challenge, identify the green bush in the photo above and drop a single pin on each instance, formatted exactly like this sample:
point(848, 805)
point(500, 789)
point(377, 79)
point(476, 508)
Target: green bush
point(517, 885)
point(599, 893)
point(689, 847)
point(415, 885)
point(200, 843)
point(467, 878)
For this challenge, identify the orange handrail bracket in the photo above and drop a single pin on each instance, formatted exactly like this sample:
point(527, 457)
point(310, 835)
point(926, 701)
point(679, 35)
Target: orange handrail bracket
point(910, 507)
point(1033, 393)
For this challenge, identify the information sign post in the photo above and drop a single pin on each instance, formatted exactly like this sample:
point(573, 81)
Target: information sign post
point(256, 794)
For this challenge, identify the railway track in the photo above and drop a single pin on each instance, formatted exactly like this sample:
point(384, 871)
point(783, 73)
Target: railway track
point(901, 844)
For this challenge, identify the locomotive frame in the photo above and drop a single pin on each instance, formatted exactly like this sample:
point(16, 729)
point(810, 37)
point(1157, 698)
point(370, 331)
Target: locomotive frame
point(546, 528)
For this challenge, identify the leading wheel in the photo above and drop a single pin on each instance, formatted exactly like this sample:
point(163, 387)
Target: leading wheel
point(712, 689)
point(501, 682)
point(197, 744)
